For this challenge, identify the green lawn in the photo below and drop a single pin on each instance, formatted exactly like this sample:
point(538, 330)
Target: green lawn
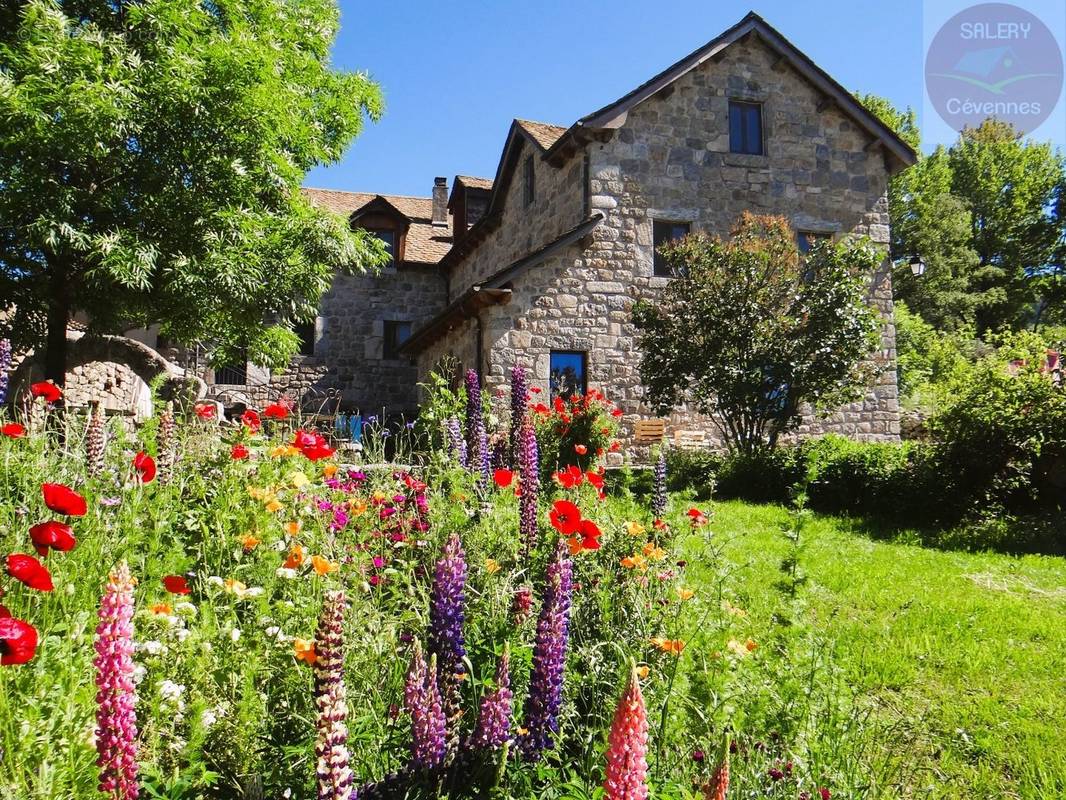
point(958, 659)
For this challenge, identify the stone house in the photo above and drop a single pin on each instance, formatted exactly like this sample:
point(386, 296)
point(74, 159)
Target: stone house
point(541, 264)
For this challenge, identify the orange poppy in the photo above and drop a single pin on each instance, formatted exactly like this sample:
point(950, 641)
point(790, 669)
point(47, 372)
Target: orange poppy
point(323, 566)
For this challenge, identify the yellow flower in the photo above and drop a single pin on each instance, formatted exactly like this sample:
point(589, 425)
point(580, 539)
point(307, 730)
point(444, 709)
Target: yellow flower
point(642, 672)
point(380, 496)
point(729, 608)
point(685, 594)
point(492, 566)
point(283, 451)
point(323, 566)
point(357, 507)
point(741, 648)
point(654, 552)
point(635, 528)
point(298, 480)
point(248, 542)
point(259, 494)
point(235, 587)
point(304, 650)
point(635, 561)
point(292, 528)
point(329, 470)
point(274, 506)
point(161, 608)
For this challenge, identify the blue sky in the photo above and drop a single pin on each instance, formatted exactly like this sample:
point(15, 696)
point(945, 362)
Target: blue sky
point(455, 73)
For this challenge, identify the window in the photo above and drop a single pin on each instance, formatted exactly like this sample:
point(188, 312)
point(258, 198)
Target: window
point(567, 373)
point(805, 240)
point(388, 236)
point(663, 232)
point(233, 374)
point(396, 333)
point(529, 188)
point(306, 332)
point(745, 128)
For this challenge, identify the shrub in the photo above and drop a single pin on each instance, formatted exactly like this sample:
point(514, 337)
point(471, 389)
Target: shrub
point(856, 477)
point(688, 468)
point(765, 476)
point(577, 431)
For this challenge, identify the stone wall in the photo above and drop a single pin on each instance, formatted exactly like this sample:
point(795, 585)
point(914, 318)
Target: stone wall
point(670, 161)
point(558, 205)
point(349, 346)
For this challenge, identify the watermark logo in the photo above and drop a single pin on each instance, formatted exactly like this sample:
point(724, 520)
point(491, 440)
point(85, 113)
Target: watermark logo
point(994, 60)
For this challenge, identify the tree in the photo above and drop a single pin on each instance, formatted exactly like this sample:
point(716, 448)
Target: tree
point(1014, 189)
point(151, 156)
point(748, 331)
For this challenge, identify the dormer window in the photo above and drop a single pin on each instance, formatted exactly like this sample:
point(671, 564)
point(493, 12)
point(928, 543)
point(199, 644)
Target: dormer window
point(388, 236)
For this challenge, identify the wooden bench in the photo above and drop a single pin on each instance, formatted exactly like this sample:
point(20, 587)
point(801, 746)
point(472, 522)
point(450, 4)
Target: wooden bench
point(689, 438)
point(648, 431)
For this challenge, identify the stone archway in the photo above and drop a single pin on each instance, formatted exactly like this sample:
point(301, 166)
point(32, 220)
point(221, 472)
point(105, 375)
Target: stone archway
point(114, 371)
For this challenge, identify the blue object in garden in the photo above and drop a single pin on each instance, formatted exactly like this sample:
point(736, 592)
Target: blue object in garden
point(355, 427)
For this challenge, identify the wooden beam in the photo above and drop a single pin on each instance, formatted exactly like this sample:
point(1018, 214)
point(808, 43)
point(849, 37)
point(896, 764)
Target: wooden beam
point(824, 103)
point(873, 144)
point(665, 92)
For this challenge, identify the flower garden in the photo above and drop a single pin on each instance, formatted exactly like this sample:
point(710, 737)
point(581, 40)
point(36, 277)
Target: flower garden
point(212, 608)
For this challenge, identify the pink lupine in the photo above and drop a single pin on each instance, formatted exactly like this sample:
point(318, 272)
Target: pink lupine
point(716, 788)
point(331, 744)
point(627, 751)
point(116, 720)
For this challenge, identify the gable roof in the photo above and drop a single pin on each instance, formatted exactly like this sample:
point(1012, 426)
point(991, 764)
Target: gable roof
point(544, 134)
point(426, 243)
point(614, 114)
point(471, 182)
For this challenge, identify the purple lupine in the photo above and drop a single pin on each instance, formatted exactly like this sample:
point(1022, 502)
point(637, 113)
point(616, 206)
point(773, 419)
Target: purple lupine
point(529, 469)
point(519, 395)
point(5, 366)
point(331, 743)
point(423, 703)
point(473, 413)
point(445, 639)
point(658, 498)
point(446, 611)
point(545, 696)
point(480, 458)
point(116, 698)
point(456, 443)
point(494, 719)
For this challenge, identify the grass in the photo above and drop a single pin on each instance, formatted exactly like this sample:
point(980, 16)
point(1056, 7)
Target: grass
point(958, 658)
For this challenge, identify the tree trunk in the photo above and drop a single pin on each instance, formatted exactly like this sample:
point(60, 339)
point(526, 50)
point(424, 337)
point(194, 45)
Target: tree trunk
point(55, 354)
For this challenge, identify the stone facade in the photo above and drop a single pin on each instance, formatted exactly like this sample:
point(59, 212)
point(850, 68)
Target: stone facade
point(670, 159)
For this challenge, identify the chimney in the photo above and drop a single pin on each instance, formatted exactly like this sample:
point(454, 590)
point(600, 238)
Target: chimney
point(440, 201)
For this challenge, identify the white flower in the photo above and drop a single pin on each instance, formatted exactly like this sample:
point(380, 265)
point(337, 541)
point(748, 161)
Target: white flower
point(272, 631)
point(235, 635)
point(208, 717)
point(185, 607)
point(285, 572)
point(151, 647)
point(170, 691)
point(139, 672)
point(181, 634)
point(254, 591)
point(214, 580)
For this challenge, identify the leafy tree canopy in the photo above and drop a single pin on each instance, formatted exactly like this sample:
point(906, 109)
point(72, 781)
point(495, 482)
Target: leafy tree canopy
point(747, 330)
point(151, 156)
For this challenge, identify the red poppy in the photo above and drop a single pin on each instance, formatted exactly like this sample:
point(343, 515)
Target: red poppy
point(570, 477)
point(540, 408)
point(206, 410)
point(302, 439)
point(590, 535)
point(14, 430)
point(276, 411)
point(697, 516)
point(617, 412)
point(56, 535)
point(4, 612)
point(63, 500)
point(503, 477)
point(580, 449)
point(536, 390)
point(565, 517)
point(560, 406)
point(318, 452)
point(18, 641)
point(594, 478)
point(30, 571)
point(176, 584)
point(144, 465)
point(46, 390)
point(239, 452)
point(615, 447)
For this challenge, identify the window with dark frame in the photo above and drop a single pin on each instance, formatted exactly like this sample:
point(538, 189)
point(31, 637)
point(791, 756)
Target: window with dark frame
point(529, 192)
point(396, 333)
point(306, 332)
point(745, 128)
point(567, 373)
point(235, 374)
point(388, 236)
point(805, 240)
point(664, 231)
